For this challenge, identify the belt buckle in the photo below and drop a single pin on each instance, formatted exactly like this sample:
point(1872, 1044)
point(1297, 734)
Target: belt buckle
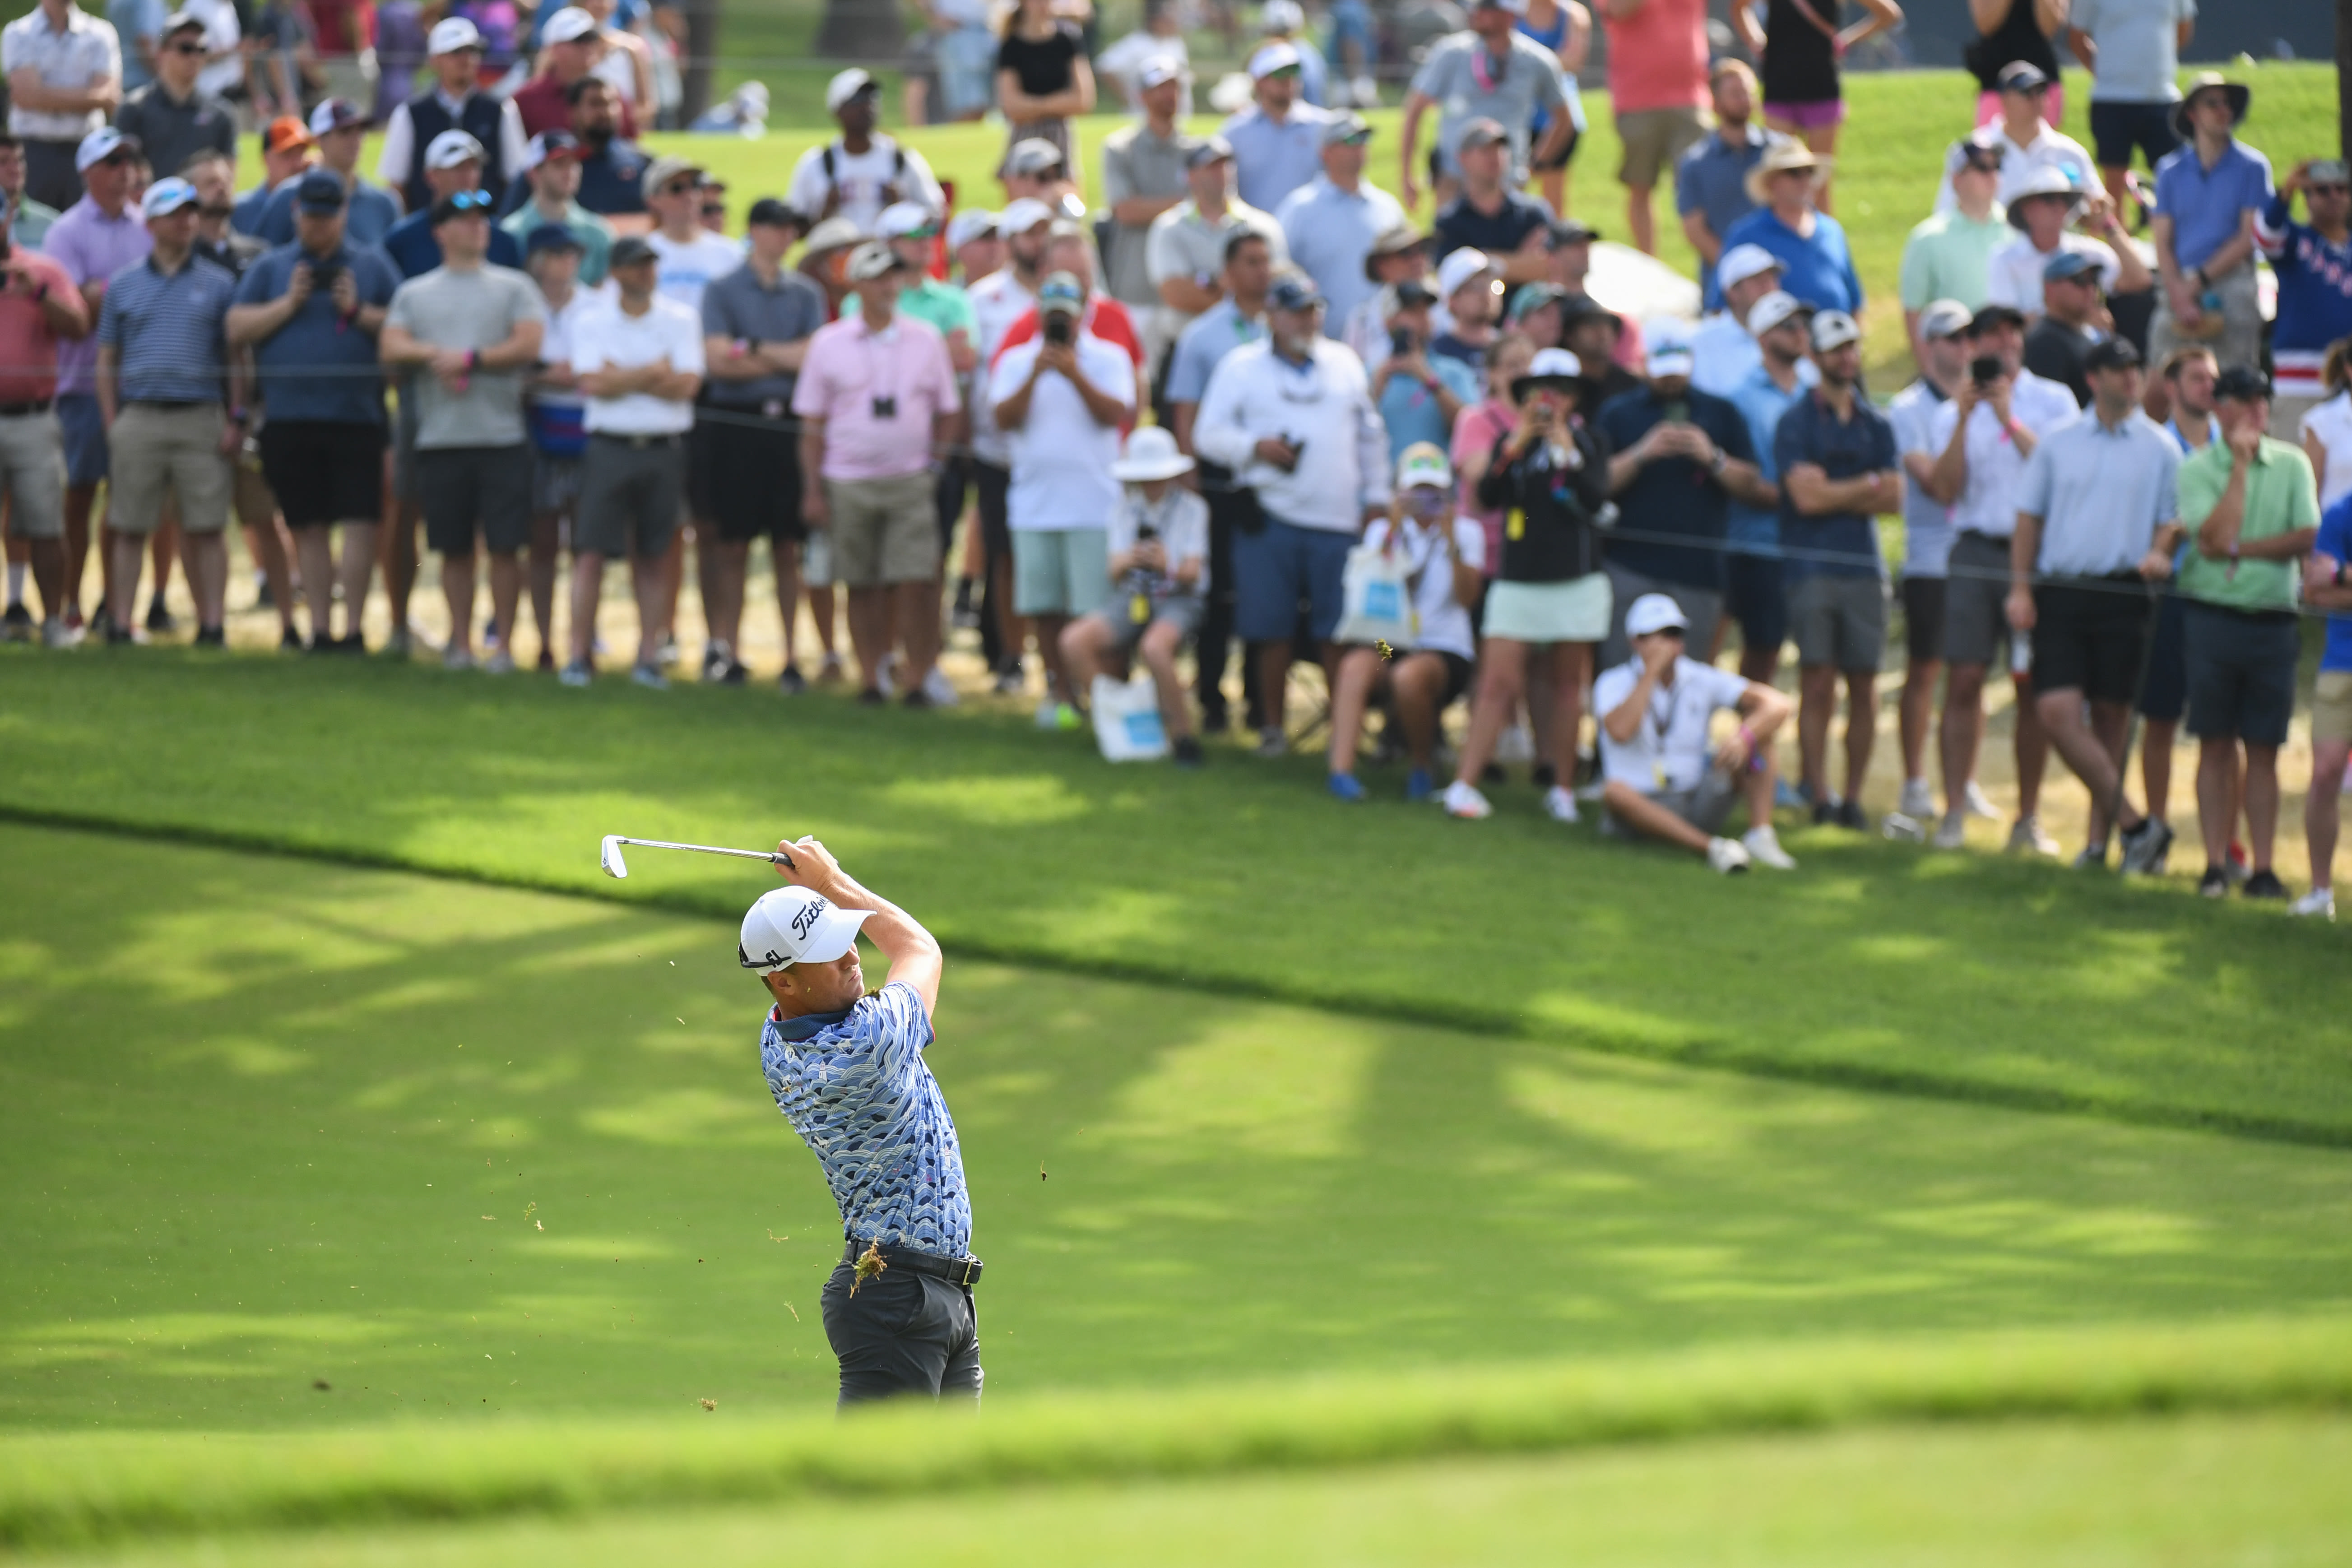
point(971, 1266)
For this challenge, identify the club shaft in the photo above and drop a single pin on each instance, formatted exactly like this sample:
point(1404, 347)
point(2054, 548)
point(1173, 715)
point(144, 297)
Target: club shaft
point(771, 855)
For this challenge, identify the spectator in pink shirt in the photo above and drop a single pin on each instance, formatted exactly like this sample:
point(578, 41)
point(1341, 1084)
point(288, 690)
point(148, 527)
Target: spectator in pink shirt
point(1657, 89)
point(877, 400)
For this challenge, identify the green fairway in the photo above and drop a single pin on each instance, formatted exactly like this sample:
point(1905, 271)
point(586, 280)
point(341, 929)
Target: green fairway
point(463, 1152)
point(2210, 1491)
point(1960, 976)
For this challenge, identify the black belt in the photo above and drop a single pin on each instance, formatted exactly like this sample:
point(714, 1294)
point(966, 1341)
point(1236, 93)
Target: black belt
point(171, 403)
point(636, 442)
point(963, 1272)
point(18, 410)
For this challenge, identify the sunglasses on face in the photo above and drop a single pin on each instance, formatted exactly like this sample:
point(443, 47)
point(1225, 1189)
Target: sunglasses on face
point(1985, 163)
point(2328, 190)
point(681, 187)
point(187, 48)
point(714, 209)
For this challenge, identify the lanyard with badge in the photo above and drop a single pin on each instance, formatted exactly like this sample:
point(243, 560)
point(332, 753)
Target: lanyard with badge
point(1659, 729)
point(882, 406)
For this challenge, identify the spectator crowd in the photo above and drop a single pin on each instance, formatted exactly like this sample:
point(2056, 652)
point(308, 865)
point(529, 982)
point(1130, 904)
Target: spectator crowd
point(1246, 402)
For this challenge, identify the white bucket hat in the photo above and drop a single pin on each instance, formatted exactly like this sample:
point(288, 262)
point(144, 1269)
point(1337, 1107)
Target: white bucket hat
point(792, 925)
point(1150, 454)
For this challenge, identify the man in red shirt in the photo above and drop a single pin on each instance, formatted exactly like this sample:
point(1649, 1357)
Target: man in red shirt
point(38, 305)
point(1658, 91)
point(572, 44)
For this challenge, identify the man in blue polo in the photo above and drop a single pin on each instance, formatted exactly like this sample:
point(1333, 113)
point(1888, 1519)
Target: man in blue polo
point(2208, 195)
point(847, 1070)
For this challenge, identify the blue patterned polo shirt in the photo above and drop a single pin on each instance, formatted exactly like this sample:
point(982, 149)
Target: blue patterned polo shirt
point(856, 1088)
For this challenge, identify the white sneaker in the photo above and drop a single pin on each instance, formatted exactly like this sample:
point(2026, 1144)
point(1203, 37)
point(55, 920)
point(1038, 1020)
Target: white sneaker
point(1917, 803)
point(1725, 856)
point(1462, 800)
point(55, 633)
point(2028, 839)
point(883, 681)
point(500, 661)
point(1979, 804)
point(456, 657)
point(1897, 828)
point(1763, 846)
point(1514, 745)
point(2320, 901)
point(1559, 804)
point(1048, 711)
point(938, 689)
point(1952, 832)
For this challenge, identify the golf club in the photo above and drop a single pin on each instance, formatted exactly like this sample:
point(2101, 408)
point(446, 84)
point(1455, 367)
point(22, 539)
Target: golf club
point(616, 866)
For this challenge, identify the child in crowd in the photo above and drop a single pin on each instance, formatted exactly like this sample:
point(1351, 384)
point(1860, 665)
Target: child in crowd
point(1445, 557)
point(1158, 541)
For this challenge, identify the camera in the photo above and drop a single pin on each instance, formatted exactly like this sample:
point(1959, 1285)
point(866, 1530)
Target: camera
point(1057, 329)
point(886, 408)
point(324, 274)
point(1985, 369)
point(1401, 343)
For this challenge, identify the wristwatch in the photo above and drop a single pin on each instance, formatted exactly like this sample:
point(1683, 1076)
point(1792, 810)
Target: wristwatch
point(1716, 464)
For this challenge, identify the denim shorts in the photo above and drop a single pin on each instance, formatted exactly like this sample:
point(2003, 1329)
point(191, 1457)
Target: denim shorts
point(85, 428)
point(1278, 567)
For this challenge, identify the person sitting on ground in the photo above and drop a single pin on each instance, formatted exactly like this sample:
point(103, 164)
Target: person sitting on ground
point(1157, 551)
point(1659, 780)
point(1550, 476)
point(1445, 557)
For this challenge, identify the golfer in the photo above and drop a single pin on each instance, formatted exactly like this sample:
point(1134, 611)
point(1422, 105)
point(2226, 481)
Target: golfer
point(848, 1071)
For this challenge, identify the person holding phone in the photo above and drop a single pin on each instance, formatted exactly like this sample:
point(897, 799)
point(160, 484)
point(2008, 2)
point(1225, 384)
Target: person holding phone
point(1420, 395)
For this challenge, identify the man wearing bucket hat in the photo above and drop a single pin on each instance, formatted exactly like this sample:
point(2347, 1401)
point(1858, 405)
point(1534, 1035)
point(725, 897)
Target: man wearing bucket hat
point(1157, 558)
point(2208, 195)
point(454, 103)
point(2044, 215)
point(1816, 265)
point(1660, 778)
point(847, 1069)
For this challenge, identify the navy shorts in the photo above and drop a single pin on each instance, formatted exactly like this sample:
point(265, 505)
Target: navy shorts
point(2117, 128)
point(2164, 696)
point(85, 429)
point(1278, 567)
point(2241, 674)
point(1753, 595)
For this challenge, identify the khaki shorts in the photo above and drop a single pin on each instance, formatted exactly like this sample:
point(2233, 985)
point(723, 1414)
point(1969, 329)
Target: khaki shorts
point(2239, 342)
point(2331, 706)
point(157, 448)
point(884, 530)
point(33, 465)
point(1655, 140)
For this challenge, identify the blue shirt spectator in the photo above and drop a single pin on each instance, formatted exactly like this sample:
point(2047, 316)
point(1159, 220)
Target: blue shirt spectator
point(370, 215)
point(1840, 544)
point(1411, 410)
point(1330, 232)
point(2314, 273)
point(1273, 157)
point(1712, 181)
point(1817, 268)
point(1762, 403)
point(2208, 206)
point(1214, 333)
point(165, 329)
point(318, 366)
point(2336, 540)
point(1674, 496)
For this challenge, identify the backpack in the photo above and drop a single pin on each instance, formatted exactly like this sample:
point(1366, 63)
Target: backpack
point(833, 173)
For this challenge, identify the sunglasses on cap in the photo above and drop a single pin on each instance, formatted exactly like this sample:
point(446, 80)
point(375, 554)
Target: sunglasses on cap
point(470, 200)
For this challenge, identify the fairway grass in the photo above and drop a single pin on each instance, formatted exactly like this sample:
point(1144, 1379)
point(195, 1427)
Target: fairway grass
point(1876, 966)
point(2213, 1491)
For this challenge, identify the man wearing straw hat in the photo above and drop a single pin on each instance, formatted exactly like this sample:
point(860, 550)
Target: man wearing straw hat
point(1816, 266)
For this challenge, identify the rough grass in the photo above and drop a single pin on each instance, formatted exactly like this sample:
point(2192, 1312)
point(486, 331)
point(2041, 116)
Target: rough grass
point(2235, 1489)
point(1957, 975)
point(65, 1490)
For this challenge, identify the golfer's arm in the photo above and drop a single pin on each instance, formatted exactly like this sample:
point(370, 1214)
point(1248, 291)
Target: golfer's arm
point(914, 952)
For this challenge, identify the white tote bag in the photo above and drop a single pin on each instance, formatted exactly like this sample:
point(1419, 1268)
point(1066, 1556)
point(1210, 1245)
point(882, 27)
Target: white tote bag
point(1376, 599)
point(1126, 719)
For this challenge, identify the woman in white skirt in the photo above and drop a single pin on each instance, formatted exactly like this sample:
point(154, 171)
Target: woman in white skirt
point(1550, 478)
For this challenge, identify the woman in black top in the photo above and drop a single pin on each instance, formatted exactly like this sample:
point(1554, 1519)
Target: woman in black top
point(1549, 599)
point(1043, 79)
point(2009, 31)
point(1800, 45)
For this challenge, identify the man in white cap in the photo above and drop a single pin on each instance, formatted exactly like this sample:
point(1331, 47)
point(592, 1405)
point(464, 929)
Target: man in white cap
point(1723, 350)
point(847, 1070)
point(1331, 223)
point(338, 127)
point(572, 43)
point(452, 166)
point(1285, 22)
point(456, 102)
point(1277, 142)
point(861, 170)
point(1941, 335)
point(1144, 175)
point(1662, 776)
point(1490, 70)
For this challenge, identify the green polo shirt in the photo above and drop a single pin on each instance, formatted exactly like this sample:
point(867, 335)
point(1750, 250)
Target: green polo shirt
point(943, 305)
point(595, 235)
point(1948, 256)
point(2280, 498)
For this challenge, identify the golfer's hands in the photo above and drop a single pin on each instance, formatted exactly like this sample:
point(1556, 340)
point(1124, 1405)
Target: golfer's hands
point(808, 864)
point(2020, 608)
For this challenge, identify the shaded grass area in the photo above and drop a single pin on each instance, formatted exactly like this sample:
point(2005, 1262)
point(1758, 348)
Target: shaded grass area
point(63, 1489)
point(2206, 1489)
point(470, 1156)
point(1878, 967)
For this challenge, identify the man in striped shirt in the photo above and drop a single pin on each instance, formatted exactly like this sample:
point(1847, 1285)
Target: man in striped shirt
point(162, 369)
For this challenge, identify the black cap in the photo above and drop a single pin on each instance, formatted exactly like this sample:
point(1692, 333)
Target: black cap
point(2240, 384)
point(319, 193)
point(1991, 316)
point(629, 251)
point(1578, 308)
point(551, 237)
point(2112, 353)
point(1573, 231)
point(770, 213)
point(1414, 291)
point(1293, 292)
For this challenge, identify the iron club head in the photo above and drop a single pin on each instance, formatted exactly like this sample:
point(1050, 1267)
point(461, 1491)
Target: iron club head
point(611, 859)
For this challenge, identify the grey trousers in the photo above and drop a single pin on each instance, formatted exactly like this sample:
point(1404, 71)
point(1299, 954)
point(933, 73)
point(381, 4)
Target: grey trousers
point(902, 1333)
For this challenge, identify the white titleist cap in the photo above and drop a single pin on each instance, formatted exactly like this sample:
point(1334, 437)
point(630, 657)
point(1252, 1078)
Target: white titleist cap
point(1651, 613)
point(451, 33)
point(568, 26)
point(792, 925)
point(1742, 262)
